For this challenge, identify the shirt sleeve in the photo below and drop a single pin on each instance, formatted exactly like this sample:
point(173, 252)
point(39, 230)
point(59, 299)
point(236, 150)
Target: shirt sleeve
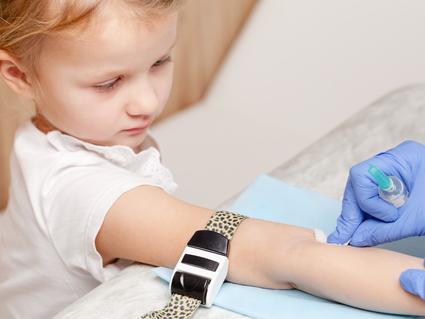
point(75, 201)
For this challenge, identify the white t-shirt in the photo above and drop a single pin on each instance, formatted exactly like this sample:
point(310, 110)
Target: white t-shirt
point(61, 190)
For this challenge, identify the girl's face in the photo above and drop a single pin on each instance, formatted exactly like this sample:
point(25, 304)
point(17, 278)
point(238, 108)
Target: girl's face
point(108, 83)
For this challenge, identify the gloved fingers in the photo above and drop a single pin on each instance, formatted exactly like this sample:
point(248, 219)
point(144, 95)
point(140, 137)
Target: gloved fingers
point(413, 281)
point(371, 232)
point(342, 234)
point(405, 158)
point(378, 208)
point(350, 218)
point(366, 191)
point(374, 232)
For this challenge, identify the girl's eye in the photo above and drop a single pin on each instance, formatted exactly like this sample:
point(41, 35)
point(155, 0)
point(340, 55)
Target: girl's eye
point(161, 62)
point(109, 85)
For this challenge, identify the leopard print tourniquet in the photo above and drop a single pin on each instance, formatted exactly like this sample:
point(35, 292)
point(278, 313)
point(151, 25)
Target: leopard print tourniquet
point(179, 307)
point(183, 307)
point(225, 223)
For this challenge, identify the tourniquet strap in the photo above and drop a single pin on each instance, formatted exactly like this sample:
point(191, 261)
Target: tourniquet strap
point(179, 307)
point(225, 223)
point(183, 307)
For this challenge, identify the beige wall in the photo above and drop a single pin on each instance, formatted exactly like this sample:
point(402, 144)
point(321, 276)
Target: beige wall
point(206, 32)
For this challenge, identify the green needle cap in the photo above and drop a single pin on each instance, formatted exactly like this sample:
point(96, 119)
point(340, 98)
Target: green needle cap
point(380, 178)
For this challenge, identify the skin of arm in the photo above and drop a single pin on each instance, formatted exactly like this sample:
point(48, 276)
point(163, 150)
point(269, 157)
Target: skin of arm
point(366, 278)
point(149, 226)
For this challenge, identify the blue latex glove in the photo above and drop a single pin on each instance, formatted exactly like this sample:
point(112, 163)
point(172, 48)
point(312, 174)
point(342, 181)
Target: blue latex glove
point(413, 281)
point(366, 219)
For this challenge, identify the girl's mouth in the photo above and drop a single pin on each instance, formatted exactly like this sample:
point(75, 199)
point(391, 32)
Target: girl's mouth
point(135, 130)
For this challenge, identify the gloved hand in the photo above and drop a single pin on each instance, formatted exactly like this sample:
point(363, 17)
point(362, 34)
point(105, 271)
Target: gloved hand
point(368, 220)
point(413, 281)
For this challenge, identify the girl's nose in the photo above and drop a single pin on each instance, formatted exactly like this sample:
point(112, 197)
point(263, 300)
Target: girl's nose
point(144, 100)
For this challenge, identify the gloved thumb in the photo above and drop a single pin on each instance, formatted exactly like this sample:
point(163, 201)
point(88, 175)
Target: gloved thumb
point(413, 281)
point(343, 232)
point(350, 218)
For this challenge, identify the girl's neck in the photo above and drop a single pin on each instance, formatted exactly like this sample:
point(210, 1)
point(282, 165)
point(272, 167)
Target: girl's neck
point(42, 123)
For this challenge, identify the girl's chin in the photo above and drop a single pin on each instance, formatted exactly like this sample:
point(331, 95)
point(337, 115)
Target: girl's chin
point(135, 143)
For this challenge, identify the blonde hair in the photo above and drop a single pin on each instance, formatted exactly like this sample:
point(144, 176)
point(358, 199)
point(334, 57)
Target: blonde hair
point(25, 23)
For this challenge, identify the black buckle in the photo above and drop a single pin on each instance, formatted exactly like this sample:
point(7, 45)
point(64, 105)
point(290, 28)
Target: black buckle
point(211, 241)
point(190, 285)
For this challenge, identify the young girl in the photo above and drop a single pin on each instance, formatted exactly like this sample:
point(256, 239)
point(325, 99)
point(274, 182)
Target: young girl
point(89, 194)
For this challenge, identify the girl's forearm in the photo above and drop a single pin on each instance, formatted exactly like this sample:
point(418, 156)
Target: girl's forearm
point(260, 253)
point(367, 278)
point(281, 256)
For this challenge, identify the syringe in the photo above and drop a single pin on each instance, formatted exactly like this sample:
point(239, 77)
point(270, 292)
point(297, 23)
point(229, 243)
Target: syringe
point(391, 188)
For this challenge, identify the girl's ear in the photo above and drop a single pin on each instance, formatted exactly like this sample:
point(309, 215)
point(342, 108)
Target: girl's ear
point(14, 75)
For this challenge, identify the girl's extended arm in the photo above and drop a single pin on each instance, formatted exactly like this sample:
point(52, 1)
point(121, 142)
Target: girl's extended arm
point(150, 226)
point(362, 277)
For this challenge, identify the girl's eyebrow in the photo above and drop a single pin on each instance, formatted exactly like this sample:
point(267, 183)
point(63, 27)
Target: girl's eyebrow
point(111, 73)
